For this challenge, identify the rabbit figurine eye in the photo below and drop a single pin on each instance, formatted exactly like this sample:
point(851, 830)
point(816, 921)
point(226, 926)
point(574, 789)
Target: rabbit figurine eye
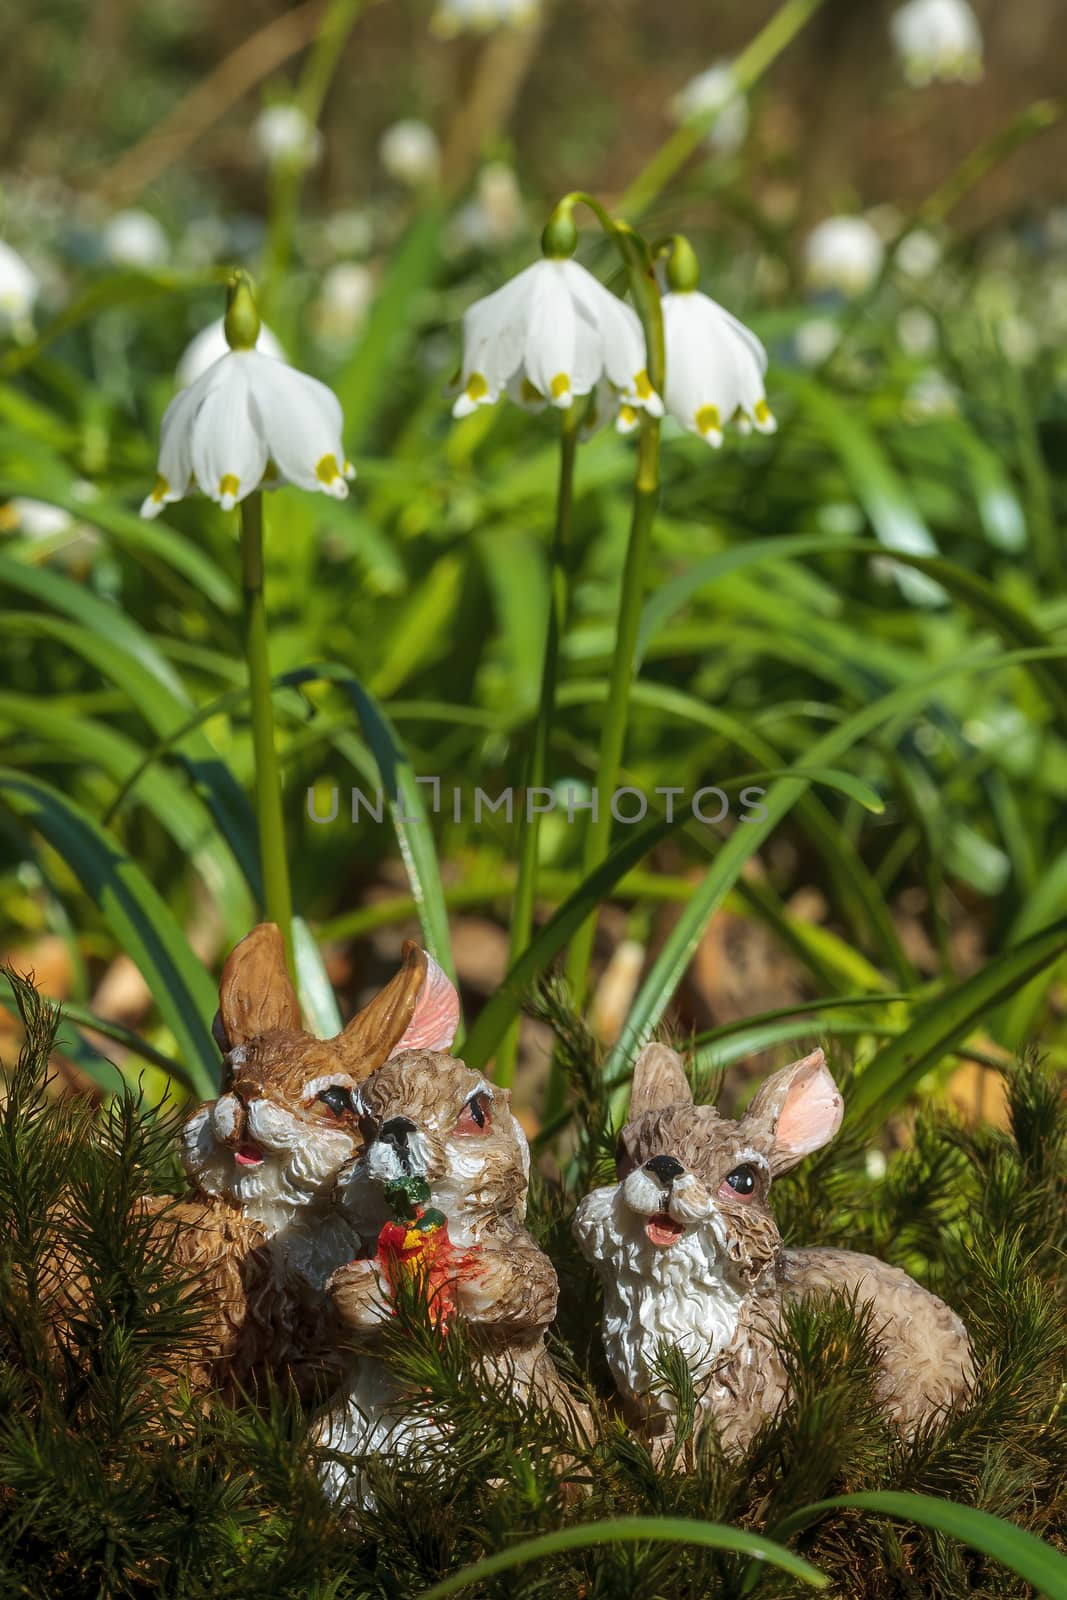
point(337, 1098)
point(476, 1116)
point(740, 1184)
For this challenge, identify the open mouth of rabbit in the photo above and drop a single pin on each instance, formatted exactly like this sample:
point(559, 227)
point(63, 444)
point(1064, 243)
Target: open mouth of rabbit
point(662, 1230)
point(249, 1154)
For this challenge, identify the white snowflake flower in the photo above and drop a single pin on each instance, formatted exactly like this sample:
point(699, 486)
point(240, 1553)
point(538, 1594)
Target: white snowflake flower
point(549, 335)
point(843, 253)
point(250, 421)
point(816, 340)
point(715, 368)
point(716, 91)
point(135, 239)
point(482, 16)
point(36, 519)
point(19, 288)
point(919, 253)
point(410, 152)
point(937, 39)
point(493, 217)
point(209, 346)
point(344, 300)
point(283, 134)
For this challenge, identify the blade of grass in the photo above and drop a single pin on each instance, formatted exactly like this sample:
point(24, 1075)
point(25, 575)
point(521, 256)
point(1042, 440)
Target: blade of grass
point(891, 1075)
point(630, 1530)
point(1030, 1558)
point(137, 916)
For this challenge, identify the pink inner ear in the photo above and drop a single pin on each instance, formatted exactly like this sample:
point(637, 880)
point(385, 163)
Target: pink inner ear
point(811, 1114)
point(436, 1017)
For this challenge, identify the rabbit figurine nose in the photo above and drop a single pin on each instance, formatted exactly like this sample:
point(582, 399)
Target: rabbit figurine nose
point(665, 1168)
point(395, 1132)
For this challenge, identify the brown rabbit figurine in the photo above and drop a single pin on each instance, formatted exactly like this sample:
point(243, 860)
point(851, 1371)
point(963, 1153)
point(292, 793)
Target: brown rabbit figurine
point(262, 1158)
point(427, 1116)
point(688, 1252)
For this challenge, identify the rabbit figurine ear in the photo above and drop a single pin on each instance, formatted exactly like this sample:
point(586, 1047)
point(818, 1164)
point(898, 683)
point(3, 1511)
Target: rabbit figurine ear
point(796, 1111)
point(256, 993)
point(435, 1020)
point(417, 1010)
point(659, 1081)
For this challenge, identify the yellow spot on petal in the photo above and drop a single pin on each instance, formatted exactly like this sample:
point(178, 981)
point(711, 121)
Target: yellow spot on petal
point(762, 411)
point(477, 388)
point(643, 385)
point(229, 485)
point(530, 393)
point(160, 490)
point(628, 416)
point(708, 420)
point(326, 469)
point(561, 385)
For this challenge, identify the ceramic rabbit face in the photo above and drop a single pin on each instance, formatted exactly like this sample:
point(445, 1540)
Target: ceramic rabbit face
point(691, 1204)
point(285, 1122)
point(423, 1113)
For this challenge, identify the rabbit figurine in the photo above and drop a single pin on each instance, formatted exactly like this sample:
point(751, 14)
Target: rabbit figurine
point(262, 1158)
point(444, 1140)
point(688, 1252)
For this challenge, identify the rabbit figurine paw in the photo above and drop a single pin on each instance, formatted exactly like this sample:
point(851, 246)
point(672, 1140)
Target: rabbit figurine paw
point(438, 1192)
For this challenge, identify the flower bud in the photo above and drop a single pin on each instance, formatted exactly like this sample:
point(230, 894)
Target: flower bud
point(560, 236)
point(683, 268)
point(242, 324)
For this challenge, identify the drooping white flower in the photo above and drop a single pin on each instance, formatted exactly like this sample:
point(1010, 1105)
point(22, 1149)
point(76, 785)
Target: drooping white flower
point(843, 253)
point(344, 300)
point(493, 217)
point(918, 253)
point(283, 134)
point(481, 16)
point(715, 91)
point(249, 421)
point(549, 335)
point(209, 345)
point(410, 152)
point(135, 239)
point(715, 368)
point(816, 340)
point(36, 519)
point(917, 331)
point(19, 288)
point(937, 39)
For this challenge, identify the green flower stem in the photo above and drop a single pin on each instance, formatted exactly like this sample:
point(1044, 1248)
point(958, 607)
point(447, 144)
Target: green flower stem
point(275, 868)
point(748, 68)
point(537, 765)
point(287, 180)
point(645, 295)
point(646, 496)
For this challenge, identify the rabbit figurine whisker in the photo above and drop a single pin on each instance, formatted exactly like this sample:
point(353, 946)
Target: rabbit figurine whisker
point(688, 1251)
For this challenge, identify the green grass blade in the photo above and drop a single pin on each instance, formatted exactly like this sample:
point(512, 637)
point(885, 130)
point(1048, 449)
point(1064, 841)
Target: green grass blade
point(317, 998)
point(137, 916)
point(1030, 1558)
point(630, 1530)
point(669, 967)
point(492, 1023)
point(167, 548)
point(891, 1075)
point(179, 812)
point(164, 711)
point(410, 820)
